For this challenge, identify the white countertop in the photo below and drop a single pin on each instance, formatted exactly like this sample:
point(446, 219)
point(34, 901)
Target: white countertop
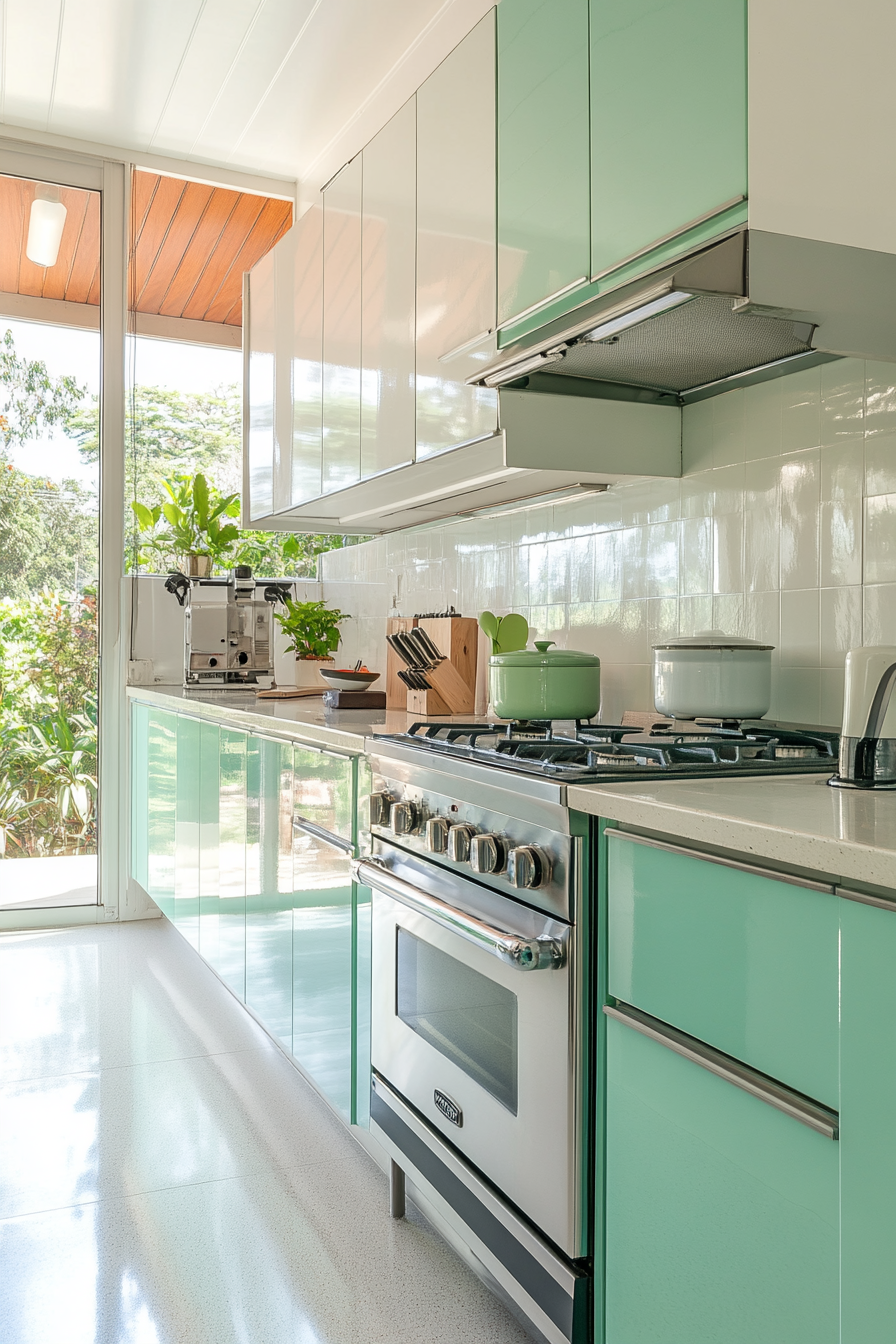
point(795, 819)
point(305, 719)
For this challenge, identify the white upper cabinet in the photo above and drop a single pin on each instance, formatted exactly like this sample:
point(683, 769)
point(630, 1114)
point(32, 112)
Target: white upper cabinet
point(258, 319)
point(388, 247)
point(456, 244)
point(305, 300)
point(342, 330)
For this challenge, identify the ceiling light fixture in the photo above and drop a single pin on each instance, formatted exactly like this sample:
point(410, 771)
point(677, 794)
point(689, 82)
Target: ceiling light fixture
point(45, 225)
point(640, 314)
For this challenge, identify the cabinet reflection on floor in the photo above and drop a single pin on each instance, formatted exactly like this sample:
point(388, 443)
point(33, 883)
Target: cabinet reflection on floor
point(167, 1174)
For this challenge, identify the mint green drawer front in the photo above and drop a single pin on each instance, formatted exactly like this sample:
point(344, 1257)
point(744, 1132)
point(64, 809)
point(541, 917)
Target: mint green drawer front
point(747, 963)
point(722, 1213)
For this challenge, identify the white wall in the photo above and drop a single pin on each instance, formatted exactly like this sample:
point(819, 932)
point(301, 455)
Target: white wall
point(783, 528)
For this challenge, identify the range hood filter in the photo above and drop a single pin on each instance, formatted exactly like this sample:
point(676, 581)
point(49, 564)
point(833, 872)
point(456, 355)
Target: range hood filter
point(696, 343)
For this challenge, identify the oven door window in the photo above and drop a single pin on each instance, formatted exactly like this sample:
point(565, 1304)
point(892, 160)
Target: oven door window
point(467, 1017)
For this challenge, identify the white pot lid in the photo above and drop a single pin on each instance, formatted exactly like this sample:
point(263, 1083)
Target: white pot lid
point(713, 639)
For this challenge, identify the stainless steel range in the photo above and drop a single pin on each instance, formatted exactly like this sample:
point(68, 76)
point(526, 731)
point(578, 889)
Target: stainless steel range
point(483, 956)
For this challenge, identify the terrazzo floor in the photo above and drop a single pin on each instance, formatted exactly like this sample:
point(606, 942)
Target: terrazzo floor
point(168, 1177)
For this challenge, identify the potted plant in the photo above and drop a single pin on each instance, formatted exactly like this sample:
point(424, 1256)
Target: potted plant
point(198, 532)
point(312, 630)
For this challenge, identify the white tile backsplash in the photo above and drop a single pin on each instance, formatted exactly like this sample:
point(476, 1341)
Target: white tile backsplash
point(787, 503)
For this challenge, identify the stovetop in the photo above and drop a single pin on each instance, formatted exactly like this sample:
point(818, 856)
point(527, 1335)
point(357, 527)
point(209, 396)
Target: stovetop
point(599, 753)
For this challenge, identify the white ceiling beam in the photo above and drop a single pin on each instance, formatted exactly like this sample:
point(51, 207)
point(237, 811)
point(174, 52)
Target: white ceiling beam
point(86, 317)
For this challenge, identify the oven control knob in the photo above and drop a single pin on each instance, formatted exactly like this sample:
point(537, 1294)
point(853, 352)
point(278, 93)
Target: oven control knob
point(488, 854)
point(380, 804)
point(459, 838)
point(437, 829)
point(527, 867)
point(403, 818)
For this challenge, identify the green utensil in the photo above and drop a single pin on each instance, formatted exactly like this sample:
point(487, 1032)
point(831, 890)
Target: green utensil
point(513, 632)
point(488, 624)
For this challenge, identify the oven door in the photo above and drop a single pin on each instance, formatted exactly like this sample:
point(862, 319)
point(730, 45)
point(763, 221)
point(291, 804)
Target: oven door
point(475, 1022)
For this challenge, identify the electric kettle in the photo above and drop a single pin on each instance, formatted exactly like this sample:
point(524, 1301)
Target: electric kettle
point(868, 735)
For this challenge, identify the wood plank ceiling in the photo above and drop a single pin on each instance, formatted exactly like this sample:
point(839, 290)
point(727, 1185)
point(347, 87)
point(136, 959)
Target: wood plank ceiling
point(190, 246)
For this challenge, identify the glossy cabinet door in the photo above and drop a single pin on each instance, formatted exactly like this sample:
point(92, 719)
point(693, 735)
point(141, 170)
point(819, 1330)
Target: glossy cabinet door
point(668, 119)
point(233, 840)
point(323, 925)
point(721, 1212)
point(867, 1108)
point(260, 373)
point(544, 201)
point(186, 830)
point(209, 840)
point(162, 808)
point(269, 885)
point(745, 962)
point(456, 244)
point(388, 295)
point(307, 335)
point(342, 329)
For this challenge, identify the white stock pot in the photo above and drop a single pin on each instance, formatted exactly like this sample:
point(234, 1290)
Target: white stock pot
point(712, 675)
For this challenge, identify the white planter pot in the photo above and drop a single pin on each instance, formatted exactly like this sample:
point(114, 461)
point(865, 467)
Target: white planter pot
point(308, 673)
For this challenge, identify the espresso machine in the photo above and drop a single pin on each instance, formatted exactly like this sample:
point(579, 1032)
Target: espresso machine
point(228, 636)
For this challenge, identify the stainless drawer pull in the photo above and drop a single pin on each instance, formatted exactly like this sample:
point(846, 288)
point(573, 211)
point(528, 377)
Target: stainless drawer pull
point(327, 837)
point(757, 869)
point(523, 954)
point(812, 1113)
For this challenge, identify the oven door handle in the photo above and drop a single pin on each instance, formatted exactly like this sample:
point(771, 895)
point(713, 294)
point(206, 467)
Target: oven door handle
point(523, 954)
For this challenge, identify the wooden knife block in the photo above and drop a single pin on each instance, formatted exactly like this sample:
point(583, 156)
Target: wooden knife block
point(396, 691)
point(457, 637)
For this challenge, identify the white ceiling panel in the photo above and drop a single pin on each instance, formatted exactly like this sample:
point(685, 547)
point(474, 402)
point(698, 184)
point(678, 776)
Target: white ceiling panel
point(288, 87)
point(215, 53)
point(30, 39)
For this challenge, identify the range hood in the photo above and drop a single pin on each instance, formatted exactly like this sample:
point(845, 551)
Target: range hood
point(590, 444)
point(682, 334)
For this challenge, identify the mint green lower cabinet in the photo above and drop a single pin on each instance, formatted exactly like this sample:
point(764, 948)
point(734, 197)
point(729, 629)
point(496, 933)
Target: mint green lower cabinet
point(186, 830)
point(161, 771)
point(230, 961)
point(721, 1212)
point(867, 1112)
point(209, 840)
point(747, 963)
point(668, 119)
point(269, 893)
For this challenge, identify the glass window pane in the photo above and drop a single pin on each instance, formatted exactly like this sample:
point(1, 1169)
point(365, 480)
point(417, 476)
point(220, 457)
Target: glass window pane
point(467, 1017)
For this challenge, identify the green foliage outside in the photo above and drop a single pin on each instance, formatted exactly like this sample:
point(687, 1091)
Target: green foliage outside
point(49, 569)
point(173, 436)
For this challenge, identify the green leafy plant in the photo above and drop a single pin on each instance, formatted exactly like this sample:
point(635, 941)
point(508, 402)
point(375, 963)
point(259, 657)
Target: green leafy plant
point(65, 760)
point(313, 629)
point(196, 514)
point(15, 807)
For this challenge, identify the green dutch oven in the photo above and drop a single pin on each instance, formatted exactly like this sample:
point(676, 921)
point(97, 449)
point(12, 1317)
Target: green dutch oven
point(544, 683)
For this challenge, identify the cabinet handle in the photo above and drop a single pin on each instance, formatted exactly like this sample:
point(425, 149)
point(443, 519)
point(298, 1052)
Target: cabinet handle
point(757, 869)
point(543, 303)
point(544, 953)
point(327, 837)
point(812, 1113)
point(882, 902)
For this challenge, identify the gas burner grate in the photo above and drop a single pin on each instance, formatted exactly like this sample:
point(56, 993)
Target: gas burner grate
point(585, 750)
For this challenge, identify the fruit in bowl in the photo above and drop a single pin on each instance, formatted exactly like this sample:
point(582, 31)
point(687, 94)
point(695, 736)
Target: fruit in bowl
point(348, 678)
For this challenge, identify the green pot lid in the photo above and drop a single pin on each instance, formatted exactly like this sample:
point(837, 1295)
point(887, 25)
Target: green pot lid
point(543, 655)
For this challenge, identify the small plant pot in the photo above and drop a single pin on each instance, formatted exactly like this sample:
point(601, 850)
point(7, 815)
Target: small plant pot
point(199, 566)
point(308, 673)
